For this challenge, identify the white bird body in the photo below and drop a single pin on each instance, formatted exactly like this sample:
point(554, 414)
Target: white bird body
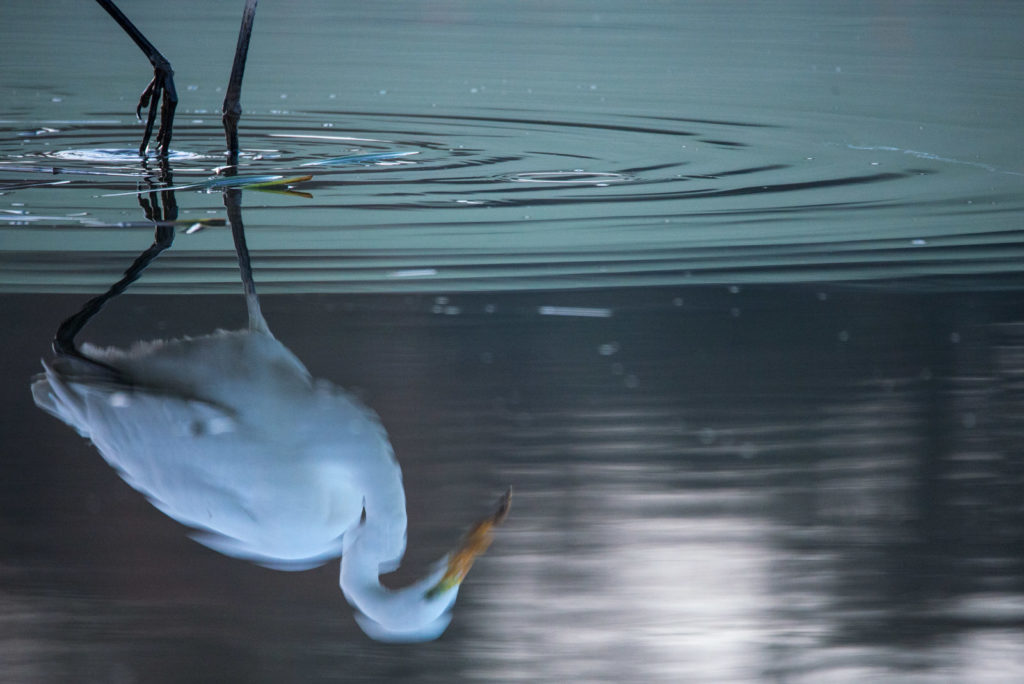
point(229, 434)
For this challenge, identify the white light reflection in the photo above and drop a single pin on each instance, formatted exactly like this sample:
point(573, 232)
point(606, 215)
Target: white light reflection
point(639, 576)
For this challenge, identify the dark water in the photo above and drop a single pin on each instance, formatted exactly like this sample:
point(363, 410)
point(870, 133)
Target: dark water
point(730, 296)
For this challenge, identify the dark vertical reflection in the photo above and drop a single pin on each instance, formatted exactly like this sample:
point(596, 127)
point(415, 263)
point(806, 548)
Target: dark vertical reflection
point(771, 484)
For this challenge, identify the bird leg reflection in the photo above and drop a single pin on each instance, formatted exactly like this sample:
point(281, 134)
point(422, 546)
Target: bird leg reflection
point(229, 434)
point(64, 341)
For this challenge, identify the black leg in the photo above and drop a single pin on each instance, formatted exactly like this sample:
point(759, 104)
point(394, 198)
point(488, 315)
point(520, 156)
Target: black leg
point(233, 203)
point(232, 110)
point(64, 340)
point(160, 91)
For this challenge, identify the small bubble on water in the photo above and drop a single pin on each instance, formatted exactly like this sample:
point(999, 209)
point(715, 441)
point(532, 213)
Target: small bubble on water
point(954, 338)
point(608, 349)
point(843, 336)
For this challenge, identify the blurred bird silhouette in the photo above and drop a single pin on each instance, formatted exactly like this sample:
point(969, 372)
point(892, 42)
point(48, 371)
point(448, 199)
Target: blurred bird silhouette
point(229, 434)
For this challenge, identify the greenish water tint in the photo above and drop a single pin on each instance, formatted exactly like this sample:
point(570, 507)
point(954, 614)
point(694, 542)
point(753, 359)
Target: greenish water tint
point(728, 293)
point(521, 147)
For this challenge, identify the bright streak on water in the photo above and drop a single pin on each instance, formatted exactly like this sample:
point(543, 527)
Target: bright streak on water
point(581, 311)
point(728, 293)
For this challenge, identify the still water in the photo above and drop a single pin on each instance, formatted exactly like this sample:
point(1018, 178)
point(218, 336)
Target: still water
point(728, 294)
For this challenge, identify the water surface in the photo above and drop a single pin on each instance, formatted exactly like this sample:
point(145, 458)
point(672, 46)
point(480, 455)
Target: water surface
point(730, 296)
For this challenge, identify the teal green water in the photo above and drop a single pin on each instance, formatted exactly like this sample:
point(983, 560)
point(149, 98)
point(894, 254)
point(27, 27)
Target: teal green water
point(727, 292)
point(582, 145)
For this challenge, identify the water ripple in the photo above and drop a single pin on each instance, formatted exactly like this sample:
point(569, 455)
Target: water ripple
point(508, 200)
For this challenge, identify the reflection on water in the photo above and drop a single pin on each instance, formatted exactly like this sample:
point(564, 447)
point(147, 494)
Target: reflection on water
point(730, 297)
point(676, 146)
point(228, 433)
point(824, 485)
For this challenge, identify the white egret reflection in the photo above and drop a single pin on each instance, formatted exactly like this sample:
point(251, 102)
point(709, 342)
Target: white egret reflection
point(229, 434)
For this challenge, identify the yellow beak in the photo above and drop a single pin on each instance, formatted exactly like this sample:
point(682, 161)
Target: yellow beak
point(473, 544)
